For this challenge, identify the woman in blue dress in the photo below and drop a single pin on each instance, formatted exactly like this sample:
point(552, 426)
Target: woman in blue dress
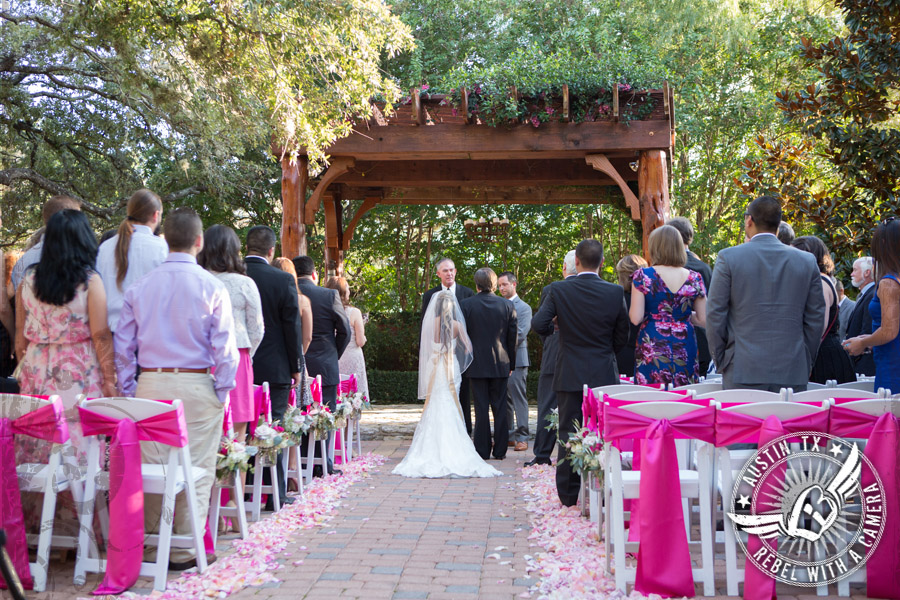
point(667, 300)
point(884, 308)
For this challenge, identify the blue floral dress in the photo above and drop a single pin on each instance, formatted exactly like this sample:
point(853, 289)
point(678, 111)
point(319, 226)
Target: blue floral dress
point(666, 349)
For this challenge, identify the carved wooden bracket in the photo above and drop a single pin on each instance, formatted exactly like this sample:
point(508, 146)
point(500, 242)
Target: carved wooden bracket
point(600, 163)
point(368, 204)
point(338, 167)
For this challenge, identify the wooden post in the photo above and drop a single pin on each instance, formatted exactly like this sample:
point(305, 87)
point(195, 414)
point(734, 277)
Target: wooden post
point(333, 230)
point(653, 190)
point(294, 180)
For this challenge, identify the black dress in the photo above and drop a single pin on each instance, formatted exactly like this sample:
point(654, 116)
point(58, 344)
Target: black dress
point(832, 361)
point(625, 357)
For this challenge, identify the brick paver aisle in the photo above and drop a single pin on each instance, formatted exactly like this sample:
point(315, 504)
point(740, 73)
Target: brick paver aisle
point(413, 538)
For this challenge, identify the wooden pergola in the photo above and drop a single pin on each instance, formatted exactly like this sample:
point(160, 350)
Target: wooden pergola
point(427, 153)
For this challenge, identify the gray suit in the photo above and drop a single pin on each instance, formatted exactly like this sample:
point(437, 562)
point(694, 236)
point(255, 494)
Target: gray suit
point(764, 315)
point(845, 309)
point(517, 404)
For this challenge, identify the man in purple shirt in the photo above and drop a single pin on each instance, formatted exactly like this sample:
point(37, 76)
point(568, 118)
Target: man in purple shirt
point(176, 324)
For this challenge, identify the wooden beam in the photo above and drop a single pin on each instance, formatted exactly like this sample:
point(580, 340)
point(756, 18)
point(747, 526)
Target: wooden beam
point(550, 140)
point(418, 109)
point(566, 116)
point(294, 181)
point(448, 173)
point(615, 95)
point(494, 195)
point(338, 167)
point(601, 163)
point(464, 104)
point(653, 186)
point(368, 204)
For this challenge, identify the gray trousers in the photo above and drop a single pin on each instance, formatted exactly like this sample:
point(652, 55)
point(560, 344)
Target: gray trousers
point(517, 405)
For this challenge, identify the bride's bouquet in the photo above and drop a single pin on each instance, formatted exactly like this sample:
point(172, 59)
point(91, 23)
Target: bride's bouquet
point(269, 440)
point(233, 457)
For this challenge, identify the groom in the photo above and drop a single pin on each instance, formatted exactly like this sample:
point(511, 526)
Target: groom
point(492, 326)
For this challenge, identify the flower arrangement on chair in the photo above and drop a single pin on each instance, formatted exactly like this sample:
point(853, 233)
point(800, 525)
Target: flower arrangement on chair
point(321, 419)
point(269, 440)
point(233, 457)
point(296, 424)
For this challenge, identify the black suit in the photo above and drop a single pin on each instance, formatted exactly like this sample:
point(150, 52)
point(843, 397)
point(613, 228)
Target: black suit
point(544, 439)
point(330, 336)
point(280, 353)
point(593, 326)
point(462, 292)
point(492, 327)
point(703, 355)
point(860, 323)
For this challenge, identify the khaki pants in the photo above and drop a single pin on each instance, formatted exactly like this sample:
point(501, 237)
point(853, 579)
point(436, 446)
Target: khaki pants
point(203, 414)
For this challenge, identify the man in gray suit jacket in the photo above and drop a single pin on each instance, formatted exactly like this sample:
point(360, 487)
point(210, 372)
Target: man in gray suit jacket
point(517, 412)
point(845, 308)
point(765, 308)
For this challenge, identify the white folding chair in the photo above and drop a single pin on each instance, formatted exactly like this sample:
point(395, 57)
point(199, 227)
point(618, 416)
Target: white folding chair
point(217, 509)
point(174, 476)
point(812, 385)
point(309, 461)
point(618, 388)
point(725, 396)
point(865, 386)
point(704, 387)
point(825, 394)
point(255, 505)
point(695, 483)
point(48, 479)
point(876, 407)
point(729, 462)
point(645, 395)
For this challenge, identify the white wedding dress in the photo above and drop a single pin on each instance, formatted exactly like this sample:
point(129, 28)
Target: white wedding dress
point(440, 446)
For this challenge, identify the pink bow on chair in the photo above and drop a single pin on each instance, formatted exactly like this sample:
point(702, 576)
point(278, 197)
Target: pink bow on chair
point(46, 423)
point(592, 412)
point(126, 508)
point(662, 568)
point(262, 405)
point(883, 433)
point(734, 428)
point(315, 389)
point(348, 386)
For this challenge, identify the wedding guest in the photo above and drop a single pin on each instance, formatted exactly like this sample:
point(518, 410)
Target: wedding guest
point(35, 244)
point(832, 362)
point(845, 308)
point(177, 321)
point(517, 403)
point(593, 327)
point(63, 342)
point(132, 252)
point(694, 263)
point(544, 438)
point(862, 277)
point(352, 361)
point(286, 265)
point(446, 272)
point(625, 268)
point(667, 300)
point(279, 358)
point(772, 347)
point(221, 256)
point(785, 233)
point(884, 308)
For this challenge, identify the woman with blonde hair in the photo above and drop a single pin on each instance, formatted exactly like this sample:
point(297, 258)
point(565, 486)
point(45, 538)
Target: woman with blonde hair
point(667, 300)
point(287, 266)
point(352, 361)
point(625, 269)
point(133, 252)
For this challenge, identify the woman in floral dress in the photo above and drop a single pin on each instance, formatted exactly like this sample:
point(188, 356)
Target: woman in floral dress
point(63, 343)
point(667, 300)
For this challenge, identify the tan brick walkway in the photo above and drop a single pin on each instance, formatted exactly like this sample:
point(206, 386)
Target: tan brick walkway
point(413, 538)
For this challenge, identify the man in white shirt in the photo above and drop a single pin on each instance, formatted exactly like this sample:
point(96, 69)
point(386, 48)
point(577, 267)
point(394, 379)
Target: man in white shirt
point(32, 256)
point(145, 251)
point(764, 330)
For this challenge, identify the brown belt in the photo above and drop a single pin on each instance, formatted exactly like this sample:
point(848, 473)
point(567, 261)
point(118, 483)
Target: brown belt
point(174, 370)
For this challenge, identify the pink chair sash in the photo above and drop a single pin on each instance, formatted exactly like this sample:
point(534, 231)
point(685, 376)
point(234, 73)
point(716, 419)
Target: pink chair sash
point(348, 386)
point(883, 432)
point(126, 507)
point(592, 412)
point(262, 404)
point(663, 569)
point(315, 389)
point(46, 423)
point(734, 428)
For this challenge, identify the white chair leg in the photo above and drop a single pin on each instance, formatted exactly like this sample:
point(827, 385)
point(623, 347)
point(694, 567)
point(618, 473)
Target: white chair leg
point(358, 438)
point(196, 520)
point(273, 488)
point(310, 457)
point(215, 502)
point(86, 543)
point(347, 440)
point(732, 573)
point(40, 568)
point(241, 512)
point(323, 446)
point(256, 495)
point(161, 568)
point(707, 541)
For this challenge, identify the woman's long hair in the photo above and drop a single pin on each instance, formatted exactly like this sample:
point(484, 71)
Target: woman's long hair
point(287, 266)
point(67, 258)
point(141, 206)
point(221, 251)
point(444, 312)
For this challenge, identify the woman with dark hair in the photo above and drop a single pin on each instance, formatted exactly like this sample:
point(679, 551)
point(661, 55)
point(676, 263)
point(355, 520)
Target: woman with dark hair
point(352, 361)
point(884, 308)
point(625, 269)
point(832, 362)
point(63, 342)
point(221, 256)
point(132, 252)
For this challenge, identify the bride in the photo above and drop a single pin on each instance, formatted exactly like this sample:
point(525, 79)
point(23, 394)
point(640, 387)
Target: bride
point(441, 447)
